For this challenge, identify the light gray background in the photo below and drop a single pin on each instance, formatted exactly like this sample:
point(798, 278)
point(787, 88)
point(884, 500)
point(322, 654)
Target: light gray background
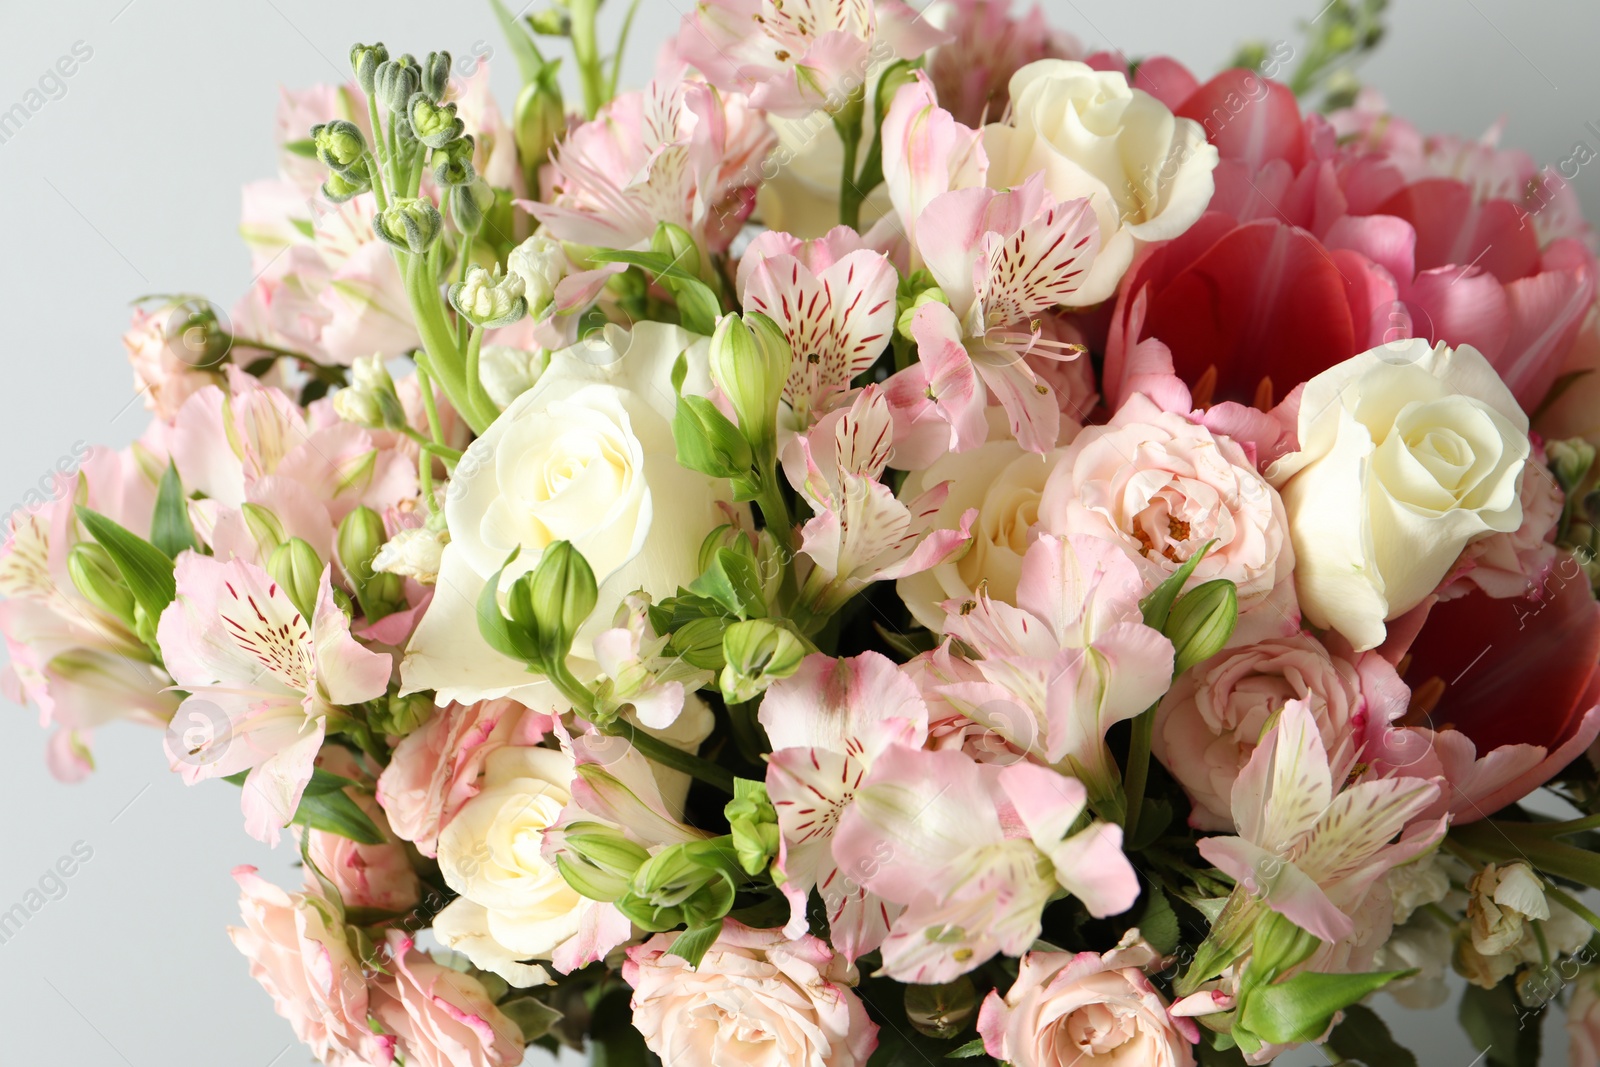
point(129, 184)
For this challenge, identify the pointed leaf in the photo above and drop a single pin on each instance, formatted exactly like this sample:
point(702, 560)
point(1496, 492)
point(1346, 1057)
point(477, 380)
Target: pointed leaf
point(170, 528)
point(146, 569)
point(692, 945)
point(336, 813)
point(1364, 1037)
point(1158, 605)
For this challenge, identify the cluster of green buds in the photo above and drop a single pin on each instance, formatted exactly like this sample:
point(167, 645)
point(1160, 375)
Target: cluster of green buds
point(398, 716)
point(758, 652)
point(753, 826)
point(598, 861)
point(410, 223)
point(916, 290)
point(690, 885)
point(543, 610)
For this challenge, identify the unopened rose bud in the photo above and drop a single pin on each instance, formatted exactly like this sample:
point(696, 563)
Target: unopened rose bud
point(758, 653)
point(469, 203)
point(489, 299)
point(436, 75)
point(1201, 622)
point(411, 223)
point(364, 61)
point(340, 144)
point(96, 576)
point(395, 82)
point(750, 360)
point(297, 569)
point(435, 125)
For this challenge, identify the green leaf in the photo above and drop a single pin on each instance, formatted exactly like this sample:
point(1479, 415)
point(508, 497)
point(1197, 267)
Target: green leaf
point(698, 307)
point(529, 61)
point(534, 1018)
point(146, 569)
point(306, 148)
point(1158, 605)
point(1158, 922)
point(1363, 1037)
point(1499, 1025)
point(733, 581)
point(1299, 1009)
point(692, 945)
point(322, 782)
point(170, 528)
point(496, 628)
point(968, 1051)
point(336, 813)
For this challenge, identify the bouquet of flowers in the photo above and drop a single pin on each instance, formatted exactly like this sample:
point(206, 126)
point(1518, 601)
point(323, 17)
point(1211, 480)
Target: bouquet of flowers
point(906, 538)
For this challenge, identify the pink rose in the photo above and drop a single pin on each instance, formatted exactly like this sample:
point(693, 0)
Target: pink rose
point(1210, 722)
point(376, 877)
point(1514, 564)
point(305, 963)
point(1160, 486)
point(442, 1018)
point(1583, 1022)
point(757, 997)
point(1075, 1010)
point(436, 769)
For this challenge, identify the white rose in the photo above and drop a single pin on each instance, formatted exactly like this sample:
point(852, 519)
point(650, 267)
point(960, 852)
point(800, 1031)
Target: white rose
point(1146, 172)
point(514, 905)
point(1004, 483)
point(585, 456)
point(1409, 453)
point(507, 373)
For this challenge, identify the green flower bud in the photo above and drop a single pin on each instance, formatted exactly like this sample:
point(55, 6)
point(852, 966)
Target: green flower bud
point(753, 825)
point(436, 75)
point(1570, 461)
point(296, 567)
point(758, 653)
point(914, 292)
point(469, 202)
point(941, 1011)
point(707, 442)
point(674, 241)
point(411, 223)
point(346, 186)
point(489, 299)
point(395, 82)
point(265, 529)
point(99, 580)
point(435, 125)
point(682, 885)
point(897, 77)
point(1276, 946)
point(553, 21)
point(598, 862)
point(340, 144)
point(370, 400)
point(365, 60)
point(398, 716)
point(699, 642)
point(538, 122)
point(545, 608)
point(1201, 622)
point(750, 361)
point(361, 535)
point(452, 164)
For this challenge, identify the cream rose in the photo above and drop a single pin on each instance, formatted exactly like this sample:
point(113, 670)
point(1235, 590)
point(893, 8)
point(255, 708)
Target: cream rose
point(514, 905)
point(1408, 453)
point(1070, 1010)
point(1146, 172)
point(1161, 487)
point(758, 997)
point(585, 456)
point(1004, 483)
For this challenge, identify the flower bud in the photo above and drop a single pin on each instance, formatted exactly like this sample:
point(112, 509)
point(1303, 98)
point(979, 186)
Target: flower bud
point(395, 82)
point(707, 442)
point(682, 885)
point(539, 121)
point(898, 76)
point(699, 642)
point(758, 653)
point(915, 291)
point(598, 862)
point(1570, 461)
point(489, 299)
point(541, 263)
point(340, 144)
point(435, 125)
point(452, 164)
point(1201, 622)
point(361, 536)
point(1277, 946)
point(97, 577)
point(296, 568)
point(347, 186)
point(750, 361)
point(1504, 897)
point(416, 554)
point(265, 529)
point(553, 21)
point(365, 60)
point(436, 75)
point(370, 400)
point(753, 825)
point(941, 1011)
point(411, 223)
point(547, 607)
point(674, 242)
point(469, 202)
point(398, 716)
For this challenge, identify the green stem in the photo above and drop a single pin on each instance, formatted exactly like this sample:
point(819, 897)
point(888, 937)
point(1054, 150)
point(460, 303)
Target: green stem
point(586, 50)
point(476, 394)
point(1138, 772)
point(1571, 903)
point(775, 509)
point(465, 253)
point(444, 359)
point(622, 46)
point(1507, 841)
point(848, 123)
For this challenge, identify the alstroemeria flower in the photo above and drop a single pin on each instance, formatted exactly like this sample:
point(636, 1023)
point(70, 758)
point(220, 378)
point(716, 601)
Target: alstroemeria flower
point(860, 533)
point(1311, 854)
point(262, 680)
point(827, 723)
point(974, 853)
point(926, 153)
point(833, 298)
point(1070, 661)
point(793, 57)
point(1001, 259)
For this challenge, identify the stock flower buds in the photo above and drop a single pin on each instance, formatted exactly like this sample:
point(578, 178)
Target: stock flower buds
point(758, 653)
point(365, 60)
point(469, 202)
point(489, 300)
point(435, 125)
point(1201, 622)
point(297, 569)
point(750, 360)
point(411, 223)
point(346, 186)
point(395, 82)
point(452, 163)
point(436, 75)
point(370, 399)
point(339, 143)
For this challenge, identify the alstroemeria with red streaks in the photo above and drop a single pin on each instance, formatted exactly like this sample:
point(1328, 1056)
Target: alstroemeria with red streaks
point(834, 299)
point(1001, 260)
point(827, 723)
point(1304, 850)
point(1071, 660)
point(860, 532)
point(263, 680)
point(973, 853)
point(794, 57)
point(926, 153)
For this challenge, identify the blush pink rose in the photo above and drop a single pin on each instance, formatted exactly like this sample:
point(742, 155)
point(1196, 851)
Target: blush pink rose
point(1160, 487)
point(1211, 720)
point(1070, 1010)
point(306, 965)
point(376, 877)
point(437, 768)
point(757, 998)
point(441, 1017)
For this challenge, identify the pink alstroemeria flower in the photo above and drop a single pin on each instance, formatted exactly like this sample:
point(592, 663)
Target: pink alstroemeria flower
point(1309, 853)
point(1071, 660)
point(834, 299)
point(926, 153)
point(262, 680)
point(1002, 259)
point(860, 532)
point(827, 723)
point(973, 853)
point(793, 57)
